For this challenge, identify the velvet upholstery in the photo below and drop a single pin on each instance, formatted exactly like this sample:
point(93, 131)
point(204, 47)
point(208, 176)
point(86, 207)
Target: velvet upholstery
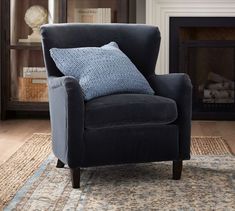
point(140, 44)
point(129, 109)
point(178, 87)
point(121, 128)
point(130, 144)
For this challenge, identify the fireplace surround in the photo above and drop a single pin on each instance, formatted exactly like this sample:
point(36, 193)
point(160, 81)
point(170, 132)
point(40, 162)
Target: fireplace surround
point(162, 12)
point(204, 48)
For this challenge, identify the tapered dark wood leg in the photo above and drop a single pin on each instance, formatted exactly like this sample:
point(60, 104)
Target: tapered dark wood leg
point(177, 169)
point(59, 164)
point(75, 176)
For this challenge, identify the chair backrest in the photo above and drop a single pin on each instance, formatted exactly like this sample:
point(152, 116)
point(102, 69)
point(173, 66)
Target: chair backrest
point(139, 42)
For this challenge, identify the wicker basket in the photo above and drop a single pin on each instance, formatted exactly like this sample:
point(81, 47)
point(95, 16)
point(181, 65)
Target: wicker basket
point(33, 90)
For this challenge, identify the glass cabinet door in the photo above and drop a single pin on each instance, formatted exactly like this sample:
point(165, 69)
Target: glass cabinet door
point(23, 74)
point(27, 72)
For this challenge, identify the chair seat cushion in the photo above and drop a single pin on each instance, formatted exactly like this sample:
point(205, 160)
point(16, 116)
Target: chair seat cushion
point(129, 109)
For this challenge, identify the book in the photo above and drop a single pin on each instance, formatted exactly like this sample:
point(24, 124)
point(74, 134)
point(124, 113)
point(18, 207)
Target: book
point(92, 15)
point(108, 15)
point(39, 81)
point(34, 72)
point(87, 15)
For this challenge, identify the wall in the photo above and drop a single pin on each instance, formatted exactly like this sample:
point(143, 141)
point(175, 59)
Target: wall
point(140, 11)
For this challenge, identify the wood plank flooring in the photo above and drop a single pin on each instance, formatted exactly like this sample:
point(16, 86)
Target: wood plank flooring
point(13, 133)
point(226, 129)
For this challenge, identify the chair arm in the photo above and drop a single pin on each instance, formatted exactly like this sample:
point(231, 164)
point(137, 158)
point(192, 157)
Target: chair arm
point(67, 119)
point(178, 87)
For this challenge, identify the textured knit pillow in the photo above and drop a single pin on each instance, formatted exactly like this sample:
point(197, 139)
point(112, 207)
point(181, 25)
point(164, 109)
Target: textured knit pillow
point(101, 70)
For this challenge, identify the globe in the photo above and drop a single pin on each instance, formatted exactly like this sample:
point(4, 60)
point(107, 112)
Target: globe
point(35, 16)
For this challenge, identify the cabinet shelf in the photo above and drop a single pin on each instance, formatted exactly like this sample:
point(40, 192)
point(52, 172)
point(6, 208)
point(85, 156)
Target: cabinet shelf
point(26, 46)
point(28, 106)
point(208, 43)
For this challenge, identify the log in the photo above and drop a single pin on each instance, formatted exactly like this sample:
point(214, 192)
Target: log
point(217, 86)
point(221, 86)
point(218, 94)
point(217, 78)
point(201, 87)
point(228, 100)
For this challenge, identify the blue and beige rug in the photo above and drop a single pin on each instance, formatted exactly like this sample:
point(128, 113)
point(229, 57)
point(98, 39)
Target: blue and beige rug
point(208, 182)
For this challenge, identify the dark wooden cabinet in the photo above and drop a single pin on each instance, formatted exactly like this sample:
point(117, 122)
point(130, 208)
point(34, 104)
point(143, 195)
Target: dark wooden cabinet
point(22, 77)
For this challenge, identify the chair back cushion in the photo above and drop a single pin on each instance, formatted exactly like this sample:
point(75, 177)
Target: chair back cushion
point(139, 42)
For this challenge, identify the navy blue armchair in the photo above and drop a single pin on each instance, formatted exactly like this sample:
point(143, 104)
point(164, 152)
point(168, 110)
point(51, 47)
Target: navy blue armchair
point(119, 128)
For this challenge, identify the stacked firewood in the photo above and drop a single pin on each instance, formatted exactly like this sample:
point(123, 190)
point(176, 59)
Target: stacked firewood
point(218, 89)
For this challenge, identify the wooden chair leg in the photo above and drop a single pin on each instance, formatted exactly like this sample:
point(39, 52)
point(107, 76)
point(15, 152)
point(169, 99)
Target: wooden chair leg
point(59, 164)
point(177, 169)
point(75, 176)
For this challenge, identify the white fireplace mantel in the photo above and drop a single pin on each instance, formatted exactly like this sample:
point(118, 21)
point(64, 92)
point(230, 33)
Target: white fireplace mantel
point(158, 13)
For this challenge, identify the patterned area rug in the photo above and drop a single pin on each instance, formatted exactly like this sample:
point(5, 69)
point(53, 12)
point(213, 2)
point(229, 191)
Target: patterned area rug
point(207, 182)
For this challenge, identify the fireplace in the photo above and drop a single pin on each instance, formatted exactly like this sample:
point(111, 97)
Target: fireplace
point(204, 48)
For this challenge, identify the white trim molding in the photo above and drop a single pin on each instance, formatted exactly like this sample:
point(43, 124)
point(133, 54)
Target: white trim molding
point(158, 13)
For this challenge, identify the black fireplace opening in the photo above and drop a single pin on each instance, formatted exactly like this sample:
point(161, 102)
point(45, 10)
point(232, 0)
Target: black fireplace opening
point(204, 48)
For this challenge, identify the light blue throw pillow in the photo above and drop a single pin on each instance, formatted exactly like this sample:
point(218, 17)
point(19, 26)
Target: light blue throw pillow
point(101, 70)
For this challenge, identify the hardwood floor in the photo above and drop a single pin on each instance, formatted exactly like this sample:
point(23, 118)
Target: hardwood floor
point(13, 133)
point(226, 129)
